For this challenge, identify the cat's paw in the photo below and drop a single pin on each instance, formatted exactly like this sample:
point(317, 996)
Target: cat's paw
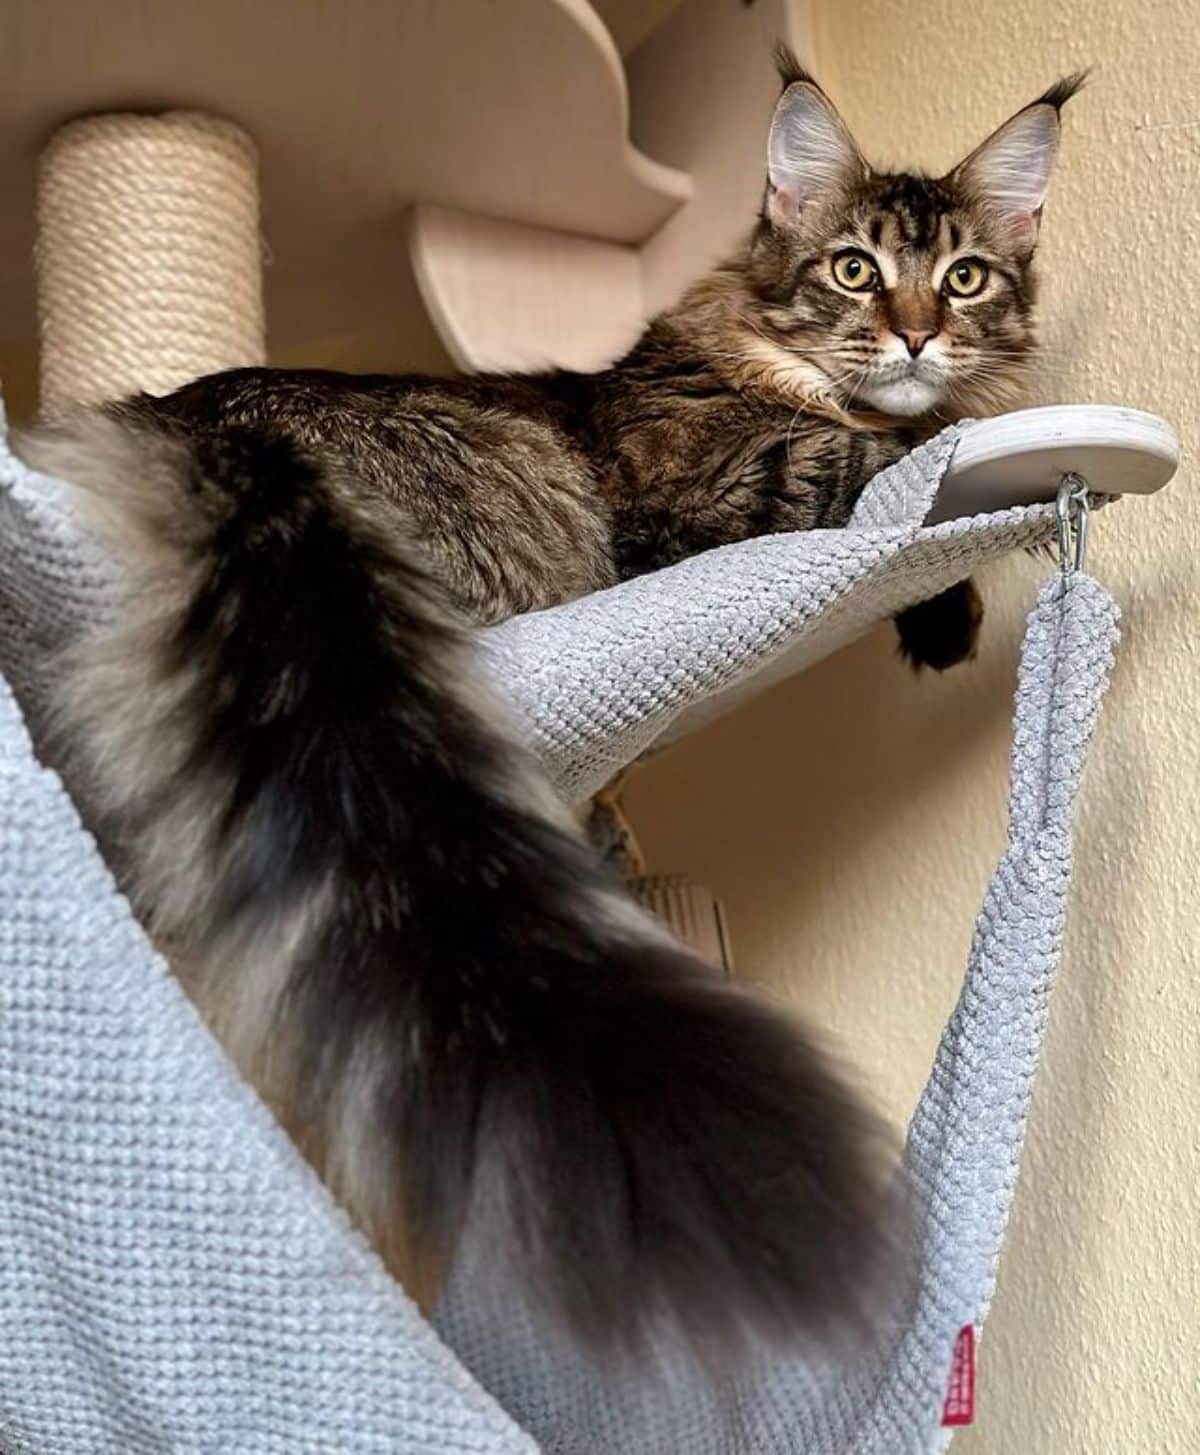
point(943, 631)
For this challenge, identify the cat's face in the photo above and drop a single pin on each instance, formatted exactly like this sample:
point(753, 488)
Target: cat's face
point(892, 291)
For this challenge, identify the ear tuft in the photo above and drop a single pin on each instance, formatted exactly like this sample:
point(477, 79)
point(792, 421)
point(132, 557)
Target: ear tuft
point(789, 68)
point(811, 156)
point(1062, 91)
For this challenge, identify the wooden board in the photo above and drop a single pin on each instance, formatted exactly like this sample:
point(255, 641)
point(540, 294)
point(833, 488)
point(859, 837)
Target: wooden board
point(703, 84)
point(1020, 458)
point(629, 22)
point(505, 296)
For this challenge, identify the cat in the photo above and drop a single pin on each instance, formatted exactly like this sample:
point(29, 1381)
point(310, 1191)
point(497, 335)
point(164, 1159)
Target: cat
point(365, 882)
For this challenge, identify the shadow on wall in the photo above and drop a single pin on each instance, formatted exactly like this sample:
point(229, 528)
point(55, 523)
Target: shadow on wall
point(813, 812)
point(845, 757)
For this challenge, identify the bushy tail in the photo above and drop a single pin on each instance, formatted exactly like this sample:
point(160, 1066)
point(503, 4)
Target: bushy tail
point(404, 942)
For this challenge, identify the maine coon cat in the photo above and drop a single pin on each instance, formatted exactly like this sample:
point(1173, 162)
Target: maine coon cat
point(369, 888)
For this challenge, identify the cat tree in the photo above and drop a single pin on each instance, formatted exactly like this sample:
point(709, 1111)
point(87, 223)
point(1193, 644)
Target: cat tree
point(171, 1274)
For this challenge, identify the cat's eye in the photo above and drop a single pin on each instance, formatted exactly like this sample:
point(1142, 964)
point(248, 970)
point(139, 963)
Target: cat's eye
point(965, 278)
point(855, 271)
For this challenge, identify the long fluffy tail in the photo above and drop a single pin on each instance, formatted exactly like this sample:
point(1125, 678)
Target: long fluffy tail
point(403, 941)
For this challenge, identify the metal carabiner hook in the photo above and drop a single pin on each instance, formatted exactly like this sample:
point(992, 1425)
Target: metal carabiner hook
point(1071, 511)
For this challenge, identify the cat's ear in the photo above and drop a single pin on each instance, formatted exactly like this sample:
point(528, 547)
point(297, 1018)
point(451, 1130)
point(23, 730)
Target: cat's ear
point(811, 157)
point(1009, 174)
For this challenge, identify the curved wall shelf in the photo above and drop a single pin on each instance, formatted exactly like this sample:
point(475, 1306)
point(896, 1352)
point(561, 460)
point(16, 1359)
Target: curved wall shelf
point(505, 296)
point(517, 298)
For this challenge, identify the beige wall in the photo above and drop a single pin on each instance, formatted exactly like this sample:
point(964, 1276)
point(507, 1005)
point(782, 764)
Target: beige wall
point(851, 818)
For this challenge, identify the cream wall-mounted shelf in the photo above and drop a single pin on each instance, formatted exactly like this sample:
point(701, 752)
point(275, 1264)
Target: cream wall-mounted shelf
point(1020, 458)
point(501, 296)
point(505, 296)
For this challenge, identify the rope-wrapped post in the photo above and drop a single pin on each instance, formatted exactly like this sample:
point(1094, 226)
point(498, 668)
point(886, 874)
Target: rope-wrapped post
point(149, 261)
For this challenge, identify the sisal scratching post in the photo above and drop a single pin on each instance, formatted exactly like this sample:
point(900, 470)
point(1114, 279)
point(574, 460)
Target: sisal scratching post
point(149, 260)
point(691, 912)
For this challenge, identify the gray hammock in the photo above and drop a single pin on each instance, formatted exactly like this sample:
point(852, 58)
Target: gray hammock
point(172, 1275)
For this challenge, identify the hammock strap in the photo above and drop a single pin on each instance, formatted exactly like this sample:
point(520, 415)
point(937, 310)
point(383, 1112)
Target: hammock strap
point(966, 1136)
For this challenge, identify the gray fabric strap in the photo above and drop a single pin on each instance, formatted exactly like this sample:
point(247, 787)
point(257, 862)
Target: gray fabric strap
point(966, 1136)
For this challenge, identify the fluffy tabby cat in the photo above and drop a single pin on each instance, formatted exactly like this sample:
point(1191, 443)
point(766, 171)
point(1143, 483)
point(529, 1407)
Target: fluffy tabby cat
point(370, 888)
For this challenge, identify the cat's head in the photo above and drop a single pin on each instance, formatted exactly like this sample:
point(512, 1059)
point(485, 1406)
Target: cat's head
point(894, 291)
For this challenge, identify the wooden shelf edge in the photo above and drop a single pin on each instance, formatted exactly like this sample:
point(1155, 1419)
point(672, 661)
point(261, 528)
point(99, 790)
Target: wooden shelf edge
point(506, 296)
point(670, 182)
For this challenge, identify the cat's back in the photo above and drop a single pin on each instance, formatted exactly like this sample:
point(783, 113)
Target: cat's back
point(328, 406)
point(486, 472)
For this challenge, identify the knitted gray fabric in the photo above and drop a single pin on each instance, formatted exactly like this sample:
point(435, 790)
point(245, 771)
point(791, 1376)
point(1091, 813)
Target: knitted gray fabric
point(172, 1276)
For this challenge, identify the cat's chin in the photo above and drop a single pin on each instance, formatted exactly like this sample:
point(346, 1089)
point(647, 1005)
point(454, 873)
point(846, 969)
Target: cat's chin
point(906, 397)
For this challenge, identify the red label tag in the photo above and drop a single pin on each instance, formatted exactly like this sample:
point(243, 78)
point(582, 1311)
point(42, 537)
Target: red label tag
point(959, 1408)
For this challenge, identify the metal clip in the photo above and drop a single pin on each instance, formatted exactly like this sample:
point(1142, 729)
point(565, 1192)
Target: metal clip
point(1071, 511)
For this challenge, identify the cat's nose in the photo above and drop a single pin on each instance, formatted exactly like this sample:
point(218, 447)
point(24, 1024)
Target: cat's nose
point(915, 339)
